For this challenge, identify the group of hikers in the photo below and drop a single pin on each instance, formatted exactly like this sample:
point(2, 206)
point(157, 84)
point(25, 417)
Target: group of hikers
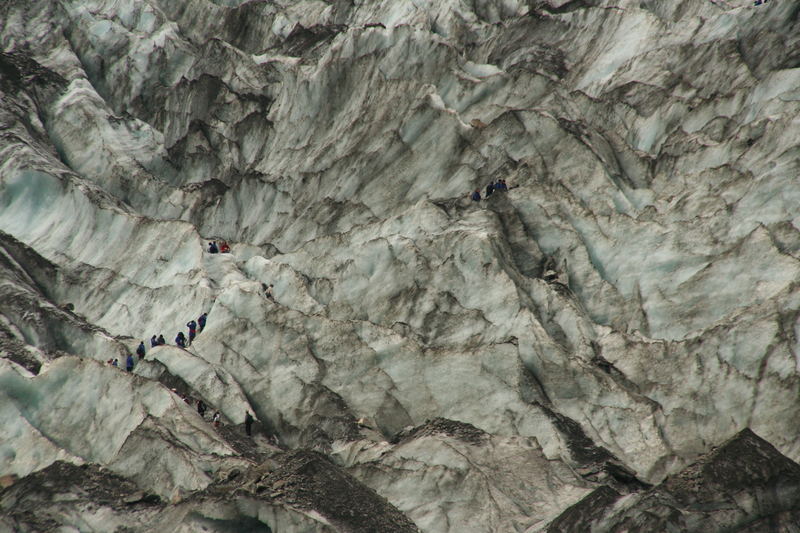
point(180, 340)
point(193, 326)
point(499, 186)
point(216, 418)
point(221, 248)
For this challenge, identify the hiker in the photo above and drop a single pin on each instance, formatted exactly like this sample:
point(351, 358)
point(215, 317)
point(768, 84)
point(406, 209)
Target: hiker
point(224, 248)
point(180, 340)
point(215, 419)
point(201, 408)
point(192, 325)
point(115, 362)
point(140, 350)
point(153, 341)
point(476, 196)
point(212, 248)
point(201, 322)
point(161, 341)
point(248, 423)
point(129, 363)
point(268, 291)
point(490, 189)
point(110, 362)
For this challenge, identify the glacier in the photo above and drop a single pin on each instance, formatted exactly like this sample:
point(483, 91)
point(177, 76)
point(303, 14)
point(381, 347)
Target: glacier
point(611, 344)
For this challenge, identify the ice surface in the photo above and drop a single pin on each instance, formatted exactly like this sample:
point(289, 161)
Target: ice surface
point(633, 297)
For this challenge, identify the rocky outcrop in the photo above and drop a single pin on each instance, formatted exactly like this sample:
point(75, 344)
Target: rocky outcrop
point(744, 485)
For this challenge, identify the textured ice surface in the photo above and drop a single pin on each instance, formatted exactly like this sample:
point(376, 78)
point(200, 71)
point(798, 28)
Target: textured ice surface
point(631, 302)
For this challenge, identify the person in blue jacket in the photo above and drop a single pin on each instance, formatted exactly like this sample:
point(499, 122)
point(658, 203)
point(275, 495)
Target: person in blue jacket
point(201, 322)
point(153, 341)
point(192, 325)
point(212, 248)
point(180, 340)
point(140, 350)
point(476, 196)
point(129, 363)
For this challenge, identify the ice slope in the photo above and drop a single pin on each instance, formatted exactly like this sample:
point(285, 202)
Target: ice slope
point(652, 151)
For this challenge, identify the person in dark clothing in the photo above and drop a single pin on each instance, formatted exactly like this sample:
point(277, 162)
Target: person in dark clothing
point(153, 341)
point(115, 362)
point(201, 322)
point(180, 340)
point(129, 363)
point(161, 340)
point(476, 196)
point(267, 291)
point(140, 350)
point(490, 189)
point(192, 325)
point(212, 248)
point(201, 408)
point(248, 423)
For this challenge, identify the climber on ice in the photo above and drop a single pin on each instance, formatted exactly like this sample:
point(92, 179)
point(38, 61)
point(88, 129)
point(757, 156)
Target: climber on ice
point(129, 363)
point(201, 408)
point(248, 423)
point(267, 291)
point(476, 195)
point(224, 248)
point(140, 350)
point(490, 189)
point(153, 341)
point(180, 340)
point(215, 419)
point(212, 248)
point(192, 325)
point(201, 322)
point(161, 340)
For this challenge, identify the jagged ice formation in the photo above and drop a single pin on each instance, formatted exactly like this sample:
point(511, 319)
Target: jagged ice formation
point(562, 356)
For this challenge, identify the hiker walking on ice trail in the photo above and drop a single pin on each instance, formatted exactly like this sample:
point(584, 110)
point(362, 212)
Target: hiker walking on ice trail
point(180, 340)
point(140, 350)
point(153, 341)
point(248, 423)
point(192, 325)
point(267, 291)
point(215, 419)
point(129, 363)
point(201, 322)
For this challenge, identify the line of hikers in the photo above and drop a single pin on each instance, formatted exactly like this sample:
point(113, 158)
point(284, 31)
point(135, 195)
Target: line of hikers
point(500, 186)
point(216, 417)
point(195, 327)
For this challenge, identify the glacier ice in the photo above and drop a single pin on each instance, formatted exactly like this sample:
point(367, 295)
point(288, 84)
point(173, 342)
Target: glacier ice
point(583, 339)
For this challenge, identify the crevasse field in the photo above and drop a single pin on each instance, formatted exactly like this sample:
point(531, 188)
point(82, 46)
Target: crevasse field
point(611, 345)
